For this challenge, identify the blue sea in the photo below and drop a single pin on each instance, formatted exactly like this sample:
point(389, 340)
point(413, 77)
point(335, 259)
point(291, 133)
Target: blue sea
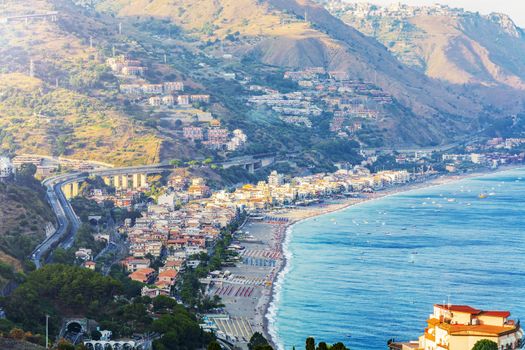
point(373, 271)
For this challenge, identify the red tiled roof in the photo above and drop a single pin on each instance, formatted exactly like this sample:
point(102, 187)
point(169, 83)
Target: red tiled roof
point(503, 314)
point(162, 284)
point(141, 274)
point(168, 273)
point(480, 330)
point(460, 308)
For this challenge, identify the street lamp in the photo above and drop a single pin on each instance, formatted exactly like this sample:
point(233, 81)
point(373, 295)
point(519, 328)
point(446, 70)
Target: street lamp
point(47, 331)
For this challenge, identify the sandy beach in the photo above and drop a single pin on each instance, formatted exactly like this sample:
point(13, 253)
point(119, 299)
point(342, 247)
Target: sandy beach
point(249, 291)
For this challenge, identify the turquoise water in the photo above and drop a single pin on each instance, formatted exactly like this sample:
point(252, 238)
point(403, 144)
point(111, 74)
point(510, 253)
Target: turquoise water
point(372, 272)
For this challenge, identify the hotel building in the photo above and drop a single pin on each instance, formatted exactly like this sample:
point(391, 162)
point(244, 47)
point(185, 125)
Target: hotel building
point(459, 327)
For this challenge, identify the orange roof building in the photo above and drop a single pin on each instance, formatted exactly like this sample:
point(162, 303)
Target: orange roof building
point(459, 327)
point(142, 275)
point(166, 278)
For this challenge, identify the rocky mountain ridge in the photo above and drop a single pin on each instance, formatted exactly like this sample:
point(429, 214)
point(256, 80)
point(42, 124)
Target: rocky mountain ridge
point(446, 43)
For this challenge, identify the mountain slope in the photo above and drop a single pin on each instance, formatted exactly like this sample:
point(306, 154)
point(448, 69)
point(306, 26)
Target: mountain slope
point(39, 119)
point(68, 106)
point(190, 40)
point(449, 44)
point(274, 32)
point(25, 216)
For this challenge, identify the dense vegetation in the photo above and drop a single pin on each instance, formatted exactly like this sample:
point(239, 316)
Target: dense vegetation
point(180, 329)
point(83, 239)
point(485, 344)
point(310, 345)
point(62, 290)
point(25, 213)
point(59, 290)
point(258, 342)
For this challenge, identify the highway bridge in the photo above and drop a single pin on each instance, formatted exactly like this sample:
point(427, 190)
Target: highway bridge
point(250, 163)
point(67, 220)
point(63, 187)
point(120, 178)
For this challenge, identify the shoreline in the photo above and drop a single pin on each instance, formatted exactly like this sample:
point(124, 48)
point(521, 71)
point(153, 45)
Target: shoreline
point(333, 206)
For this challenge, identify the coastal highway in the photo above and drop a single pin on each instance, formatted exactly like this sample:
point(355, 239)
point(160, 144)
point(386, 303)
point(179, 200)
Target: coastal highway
point(67, 221)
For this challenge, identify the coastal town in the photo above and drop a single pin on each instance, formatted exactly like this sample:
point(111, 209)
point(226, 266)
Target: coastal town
point(350, 102)
point(179, 228)
point(188, 219)
point(262, 175)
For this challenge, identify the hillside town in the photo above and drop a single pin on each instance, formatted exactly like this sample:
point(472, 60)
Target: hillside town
point(261, 175)
point(351, 102)
point(400, 11)
point(178, 108)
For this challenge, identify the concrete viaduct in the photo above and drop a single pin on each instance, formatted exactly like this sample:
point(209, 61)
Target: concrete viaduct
point(53, 16)
point(119, 178)
point(119, 182)
point(250, 163)
point(136, 177)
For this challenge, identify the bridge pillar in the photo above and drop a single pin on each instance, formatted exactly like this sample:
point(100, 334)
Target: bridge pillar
point(125, 182)
point(67, 190)
point(143, 182)
point(136, 183)
point(251, 168)
point(116, 181)
point(107, 180)
point(74, 189)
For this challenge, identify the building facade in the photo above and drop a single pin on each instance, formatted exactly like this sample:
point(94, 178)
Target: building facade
point(459, 327)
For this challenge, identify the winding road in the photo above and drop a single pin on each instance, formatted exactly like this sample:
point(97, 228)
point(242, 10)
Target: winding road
point(68, 222)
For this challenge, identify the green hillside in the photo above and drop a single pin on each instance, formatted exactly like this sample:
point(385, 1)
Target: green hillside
point(25, 215)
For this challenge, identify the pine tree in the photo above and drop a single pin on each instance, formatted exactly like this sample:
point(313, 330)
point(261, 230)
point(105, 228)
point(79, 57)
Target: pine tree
point(310, 343)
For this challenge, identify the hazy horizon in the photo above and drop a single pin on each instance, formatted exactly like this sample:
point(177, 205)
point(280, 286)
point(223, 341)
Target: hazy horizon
point(515, 9)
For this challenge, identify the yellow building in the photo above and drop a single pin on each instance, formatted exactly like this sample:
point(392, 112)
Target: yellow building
point(459, 327)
